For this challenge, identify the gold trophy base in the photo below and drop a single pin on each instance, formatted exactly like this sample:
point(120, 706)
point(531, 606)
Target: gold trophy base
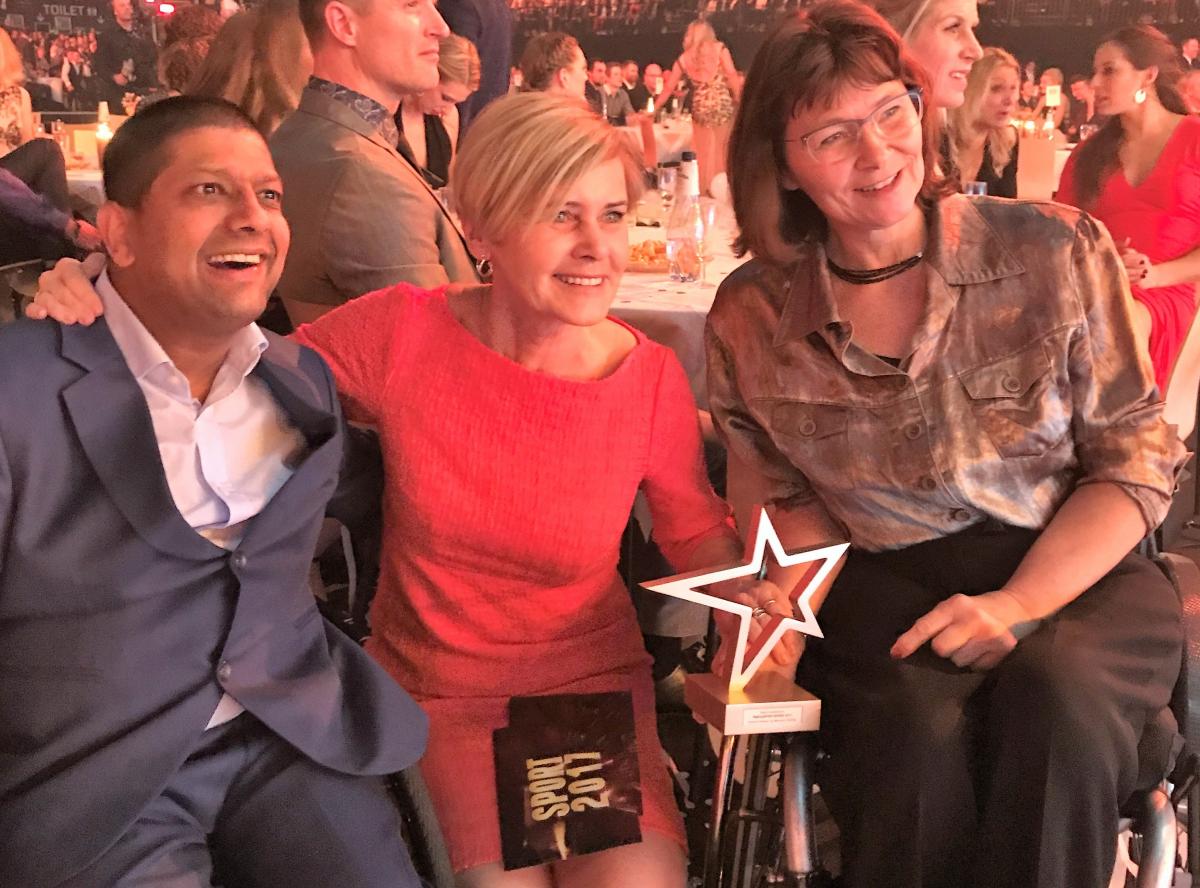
point(769, 704)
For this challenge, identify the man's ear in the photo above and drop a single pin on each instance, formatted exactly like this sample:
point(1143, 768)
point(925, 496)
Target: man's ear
point(342, 22)
point(115, 223)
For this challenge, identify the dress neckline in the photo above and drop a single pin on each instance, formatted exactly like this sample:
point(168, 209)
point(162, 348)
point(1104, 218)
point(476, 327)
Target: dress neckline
point(474, 343)
point(1158, 161)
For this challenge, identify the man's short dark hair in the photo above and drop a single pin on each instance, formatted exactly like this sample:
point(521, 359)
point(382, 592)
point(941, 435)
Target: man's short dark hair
point(141, 148)
point(1075, 78)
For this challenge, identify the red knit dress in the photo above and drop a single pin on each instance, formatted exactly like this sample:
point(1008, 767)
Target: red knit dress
point(507, 492)
point(1161, 218)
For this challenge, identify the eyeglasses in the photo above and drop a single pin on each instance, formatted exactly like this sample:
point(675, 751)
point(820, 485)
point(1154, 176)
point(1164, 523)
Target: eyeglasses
point(893, 119)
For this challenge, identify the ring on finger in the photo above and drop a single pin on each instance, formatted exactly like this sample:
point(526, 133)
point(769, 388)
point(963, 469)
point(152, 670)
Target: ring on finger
point(759, 612)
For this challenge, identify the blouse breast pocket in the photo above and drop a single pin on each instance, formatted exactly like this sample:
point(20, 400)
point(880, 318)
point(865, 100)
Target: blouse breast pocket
point(1019, 403)
point(814, 437)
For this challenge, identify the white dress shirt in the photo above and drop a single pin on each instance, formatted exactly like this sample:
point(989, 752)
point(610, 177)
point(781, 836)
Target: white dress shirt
point(224, 459)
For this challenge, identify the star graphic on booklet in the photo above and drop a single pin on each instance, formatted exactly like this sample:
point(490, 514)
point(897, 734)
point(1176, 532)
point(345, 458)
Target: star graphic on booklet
point(689, 586)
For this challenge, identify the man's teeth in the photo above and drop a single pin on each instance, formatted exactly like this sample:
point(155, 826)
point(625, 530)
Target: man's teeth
point(236, 259)
point(880, 185)
point(580, 281)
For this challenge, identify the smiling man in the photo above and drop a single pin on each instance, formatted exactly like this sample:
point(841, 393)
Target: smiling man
point(173, 702)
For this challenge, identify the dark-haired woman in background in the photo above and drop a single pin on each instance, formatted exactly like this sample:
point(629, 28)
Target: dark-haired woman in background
point(1140, 176)
point(952, 384)
point(983, 143)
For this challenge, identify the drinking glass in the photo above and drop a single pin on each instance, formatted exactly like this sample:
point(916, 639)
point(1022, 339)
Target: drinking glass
point(975, 189)
point(667, 179)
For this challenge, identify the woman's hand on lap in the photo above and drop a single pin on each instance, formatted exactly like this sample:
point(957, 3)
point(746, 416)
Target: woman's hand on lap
point(972, 631)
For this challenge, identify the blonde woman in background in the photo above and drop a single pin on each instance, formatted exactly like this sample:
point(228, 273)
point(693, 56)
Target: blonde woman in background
point(260, 61)
point(941, 35)
point(429, 120)
point(983, 143)
point(1053, 77)
point(708, 68)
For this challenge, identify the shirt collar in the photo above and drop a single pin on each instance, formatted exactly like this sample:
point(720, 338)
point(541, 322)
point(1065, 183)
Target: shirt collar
point(142, 352)
point(364, 106)
point(962, 248)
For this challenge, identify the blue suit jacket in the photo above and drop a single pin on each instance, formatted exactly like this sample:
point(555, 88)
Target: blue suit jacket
point(120, 626)
point(487, 24)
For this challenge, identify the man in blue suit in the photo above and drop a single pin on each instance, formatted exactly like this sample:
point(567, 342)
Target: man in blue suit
point(173, 709)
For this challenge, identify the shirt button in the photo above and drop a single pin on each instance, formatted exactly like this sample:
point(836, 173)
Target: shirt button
point(1011, 384)
point(927, 483)
point(224, 671)
point(807, 428)
point(913, 431)
point(960, 515)
point(238, 560)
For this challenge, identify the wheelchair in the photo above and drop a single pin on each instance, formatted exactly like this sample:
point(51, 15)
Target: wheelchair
point(762, 827)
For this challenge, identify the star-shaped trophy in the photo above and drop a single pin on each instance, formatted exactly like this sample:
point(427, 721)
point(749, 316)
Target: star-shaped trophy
point(770, 703)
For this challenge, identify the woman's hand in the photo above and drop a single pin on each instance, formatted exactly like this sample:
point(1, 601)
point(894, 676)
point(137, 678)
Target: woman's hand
point(973, 631)
point(768, 601)
point(65, 292)
point(1138, 266)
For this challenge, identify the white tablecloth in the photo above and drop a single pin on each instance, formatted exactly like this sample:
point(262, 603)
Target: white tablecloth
point(671, 139)
point(674, 313)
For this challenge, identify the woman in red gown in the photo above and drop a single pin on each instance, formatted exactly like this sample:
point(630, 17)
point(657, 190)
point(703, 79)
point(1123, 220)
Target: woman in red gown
point(1140, 176)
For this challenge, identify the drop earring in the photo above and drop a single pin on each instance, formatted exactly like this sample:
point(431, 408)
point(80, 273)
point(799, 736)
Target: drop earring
point(1140, 96)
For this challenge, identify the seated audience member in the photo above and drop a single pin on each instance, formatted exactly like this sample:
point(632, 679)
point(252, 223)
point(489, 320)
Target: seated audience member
point(488, 25)
point(1140, 176)
point(554, 63)
point(641, 93)
point(614, 99)
point(1061, 112)
point(35, 220)
point(1189, 89)
point(260, 61)
point(429, 120)
point(200, 23)
point(180, 705)
point(983, 143)
point(629, 75)
point(362, 215)
point(1083, 108)
point(593, 90)
point(178, 65)
point(1028, 101)
point(481, 599)
point(953, 384)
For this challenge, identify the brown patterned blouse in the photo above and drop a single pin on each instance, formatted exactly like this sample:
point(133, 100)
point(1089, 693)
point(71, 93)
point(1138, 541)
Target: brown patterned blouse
point(1024, 382)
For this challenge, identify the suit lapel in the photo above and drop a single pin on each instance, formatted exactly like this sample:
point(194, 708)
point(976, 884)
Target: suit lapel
point(323, 106)
point(110, 417)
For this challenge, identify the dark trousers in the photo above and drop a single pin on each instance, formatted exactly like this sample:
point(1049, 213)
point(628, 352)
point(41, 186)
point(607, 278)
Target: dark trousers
point(246, 810)
point(944, 778)
point(39, 164)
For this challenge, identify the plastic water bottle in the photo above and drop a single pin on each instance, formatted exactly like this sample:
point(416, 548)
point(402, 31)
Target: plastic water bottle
point(685, 226)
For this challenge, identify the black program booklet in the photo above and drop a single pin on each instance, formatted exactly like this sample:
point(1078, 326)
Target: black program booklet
point(567, 778)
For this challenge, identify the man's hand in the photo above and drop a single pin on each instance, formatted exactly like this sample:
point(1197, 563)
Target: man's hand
point(65, 292)
point(973, 631)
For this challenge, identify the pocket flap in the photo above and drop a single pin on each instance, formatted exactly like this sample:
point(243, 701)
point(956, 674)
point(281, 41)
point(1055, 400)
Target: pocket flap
point(808, 421)
point(1009, 378)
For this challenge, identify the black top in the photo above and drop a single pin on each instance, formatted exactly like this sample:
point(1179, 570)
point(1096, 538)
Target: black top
point(438, 150)
point(1002, 184)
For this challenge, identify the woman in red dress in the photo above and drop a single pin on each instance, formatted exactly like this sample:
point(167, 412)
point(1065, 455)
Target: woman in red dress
point(1140, 176)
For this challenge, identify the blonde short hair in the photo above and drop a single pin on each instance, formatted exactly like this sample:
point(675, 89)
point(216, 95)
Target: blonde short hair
point(458, 61)
point(12, 71)
point(524, 152)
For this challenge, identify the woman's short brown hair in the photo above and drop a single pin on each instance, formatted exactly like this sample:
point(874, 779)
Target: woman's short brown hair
point(544, 56)
point(806, 62)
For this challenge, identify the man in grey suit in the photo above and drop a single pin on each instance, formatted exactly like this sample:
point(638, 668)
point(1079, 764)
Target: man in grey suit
point(175, 712)
point(362, 216)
